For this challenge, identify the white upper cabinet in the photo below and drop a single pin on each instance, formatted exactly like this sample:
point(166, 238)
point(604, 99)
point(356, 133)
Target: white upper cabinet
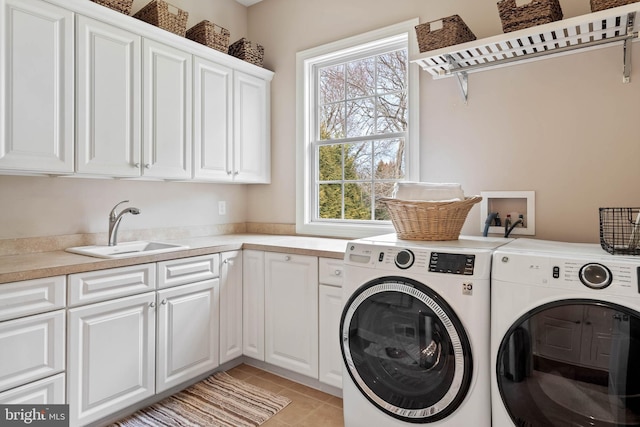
point(36, 87)
point(167, 120)
point(251, 148)
point(231, 111)
point(108, 102)
point(212, 121)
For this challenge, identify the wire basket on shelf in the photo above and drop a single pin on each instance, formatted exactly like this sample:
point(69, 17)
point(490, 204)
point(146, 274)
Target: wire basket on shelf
point(122, 6)
point(443, 32)
point(210, 34)
point(427, 220)
point(597, 5)
point(536, 12)
point(164, 15)
point(245, 50)
point(620, 230)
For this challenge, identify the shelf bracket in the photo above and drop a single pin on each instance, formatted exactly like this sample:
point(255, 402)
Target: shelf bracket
point(463, 77)
point(626, 47)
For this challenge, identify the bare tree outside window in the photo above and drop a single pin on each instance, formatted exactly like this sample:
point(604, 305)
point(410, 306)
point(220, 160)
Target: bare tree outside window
point(362, 125)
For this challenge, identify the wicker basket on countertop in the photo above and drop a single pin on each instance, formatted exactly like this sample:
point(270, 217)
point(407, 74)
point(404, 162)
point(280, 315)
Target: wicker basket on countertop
point(210, 34)
point(536, 12)
point(426, 220)
point(442, 33)
point(245, 50)
point(164, 15)
point(122, 6)
point(597, 5)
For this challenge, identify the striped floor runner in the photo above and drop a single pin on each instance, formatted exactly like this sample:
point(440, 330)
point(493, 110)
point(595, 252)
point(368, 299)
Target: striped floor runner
point(219, 400)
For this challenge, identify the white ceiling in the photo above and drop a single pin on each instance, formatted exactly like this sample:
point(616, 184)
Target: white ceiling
point(248, 2)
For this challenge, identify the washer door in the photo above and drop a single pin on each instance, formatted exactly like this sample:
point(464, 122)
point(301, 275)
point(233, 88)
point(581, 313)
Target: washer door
point(572, 363)
point(406, 349)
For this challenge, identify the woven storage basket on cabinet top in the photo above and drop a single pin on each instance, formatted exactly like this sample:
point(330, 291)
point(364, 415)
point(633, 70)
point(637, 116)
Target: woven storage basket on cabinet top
point(422, 220)
point(452, 31)
point(210, 34)
point(243, 49)
point(597, 5)
point(122, 6)
point(536, 12)
point(162, 15)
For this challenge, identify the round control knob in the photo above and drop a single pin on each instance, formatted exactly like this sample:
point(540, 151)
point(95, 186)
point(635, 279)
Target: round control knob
point(595, 276)
point(404, 259)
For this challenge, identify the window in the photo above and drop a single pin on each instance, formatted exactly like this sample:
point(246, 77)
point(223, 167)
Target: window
point(357, 132)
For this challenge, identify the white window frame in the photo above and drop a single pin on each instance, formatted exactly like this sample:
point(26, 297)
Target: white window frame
point(305, 109)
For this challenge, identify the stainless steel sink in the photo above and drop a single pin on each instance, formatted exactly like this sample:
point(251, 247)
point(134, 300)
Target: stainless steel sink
point(126, 249)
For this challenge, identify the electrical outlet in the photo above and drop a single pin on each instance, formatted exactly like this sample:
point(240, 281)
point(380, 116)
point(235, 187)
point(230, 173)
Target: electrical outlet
point(222, 208)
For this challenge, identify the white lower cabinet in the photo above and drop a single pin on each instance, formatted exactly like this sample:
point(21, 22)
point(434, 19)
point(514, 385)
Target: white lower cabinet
point(291, 312)
point(187, 333)
point(43, 392)
point(230, 306)
point(330, 311)
point(253, 304)
point(31, 348)
point(330, 275)
point(111, 351)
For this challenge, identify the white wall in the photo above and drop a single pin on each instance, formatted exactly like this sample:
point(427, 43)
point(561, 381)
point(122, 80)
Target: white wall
point(566, 127)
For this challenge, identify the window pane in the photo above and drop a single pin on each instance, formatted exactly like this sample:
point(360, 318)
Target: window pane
point(358, 161)
point(331, 84)
point(392, 113)
point(361, 78)
point(360, 117)
point(392, 72)
point(332, 121)
point(383, 189)
point(357, 201)
point(389, 159)
point(330, 162)
point(330, 201)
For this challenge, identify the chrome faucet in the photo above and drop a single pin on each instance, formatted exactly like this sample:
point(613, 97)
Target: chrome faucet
point(114, 221)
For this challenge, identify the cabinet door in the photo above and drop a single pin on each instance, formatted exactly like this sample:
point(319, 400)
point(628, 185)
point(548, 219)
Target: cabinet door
point(31, 348)
point(230, 306)
point(187, 333)
point(212, 121)
point(253, 304)
point(111, 352)
point(44, 392)
point(36, 87)
point(108, 87)
point(252, 161)
point(291, 312)
point(330, 311)
point(167, 121)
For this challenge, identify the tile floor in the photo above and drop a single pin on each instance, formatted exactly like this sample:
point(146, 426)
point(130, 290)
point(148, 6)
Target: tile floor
point(308, 408)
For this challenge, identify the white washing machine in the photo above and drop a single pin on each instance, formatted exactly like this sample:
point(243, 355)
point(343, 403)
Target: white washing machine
point(415, 332)
point(565, 336)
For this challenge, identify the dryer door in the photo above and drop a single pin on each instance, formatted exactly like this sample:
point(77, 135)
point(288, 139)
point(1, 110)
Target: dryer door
point(406, 350)
point(572, 363)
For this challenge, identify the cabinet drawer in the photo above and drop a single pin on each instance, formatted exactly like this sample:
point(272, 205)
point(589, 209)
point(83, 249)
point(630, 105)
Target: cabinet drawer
point(187, 270)
point(330, 271)
point(31, 348)
point(49, 391)
point(103, 285)
point(19, 299)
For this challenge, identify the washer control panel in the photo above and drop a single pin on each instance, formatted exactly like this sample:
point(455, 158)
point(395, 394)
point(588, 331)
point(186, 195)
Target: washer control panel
point(442, 262)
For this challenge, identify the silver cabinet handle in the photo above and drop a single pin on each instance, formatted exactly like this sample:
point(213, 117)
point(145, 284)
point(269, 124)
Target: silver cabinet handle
point(235, 173)
point(152, 304)
point(147, 166)
point(229, 172)
point(137, 165)
point(226, 261)
point(338, 272)
point(287, 258)
point(164, 302)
